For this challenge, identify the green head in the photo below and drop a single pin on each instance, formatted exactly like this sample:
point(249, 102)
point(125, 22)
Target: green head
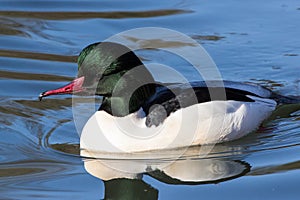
point(103, 59)
point(113, 71)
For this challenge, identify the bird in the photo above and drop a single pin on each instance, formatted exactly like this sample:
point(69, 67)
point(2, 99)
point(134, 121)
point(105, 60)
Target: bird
point(139, 114)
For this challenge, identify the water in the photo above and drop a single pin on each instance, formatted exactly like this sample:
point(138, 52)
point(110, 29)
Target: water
point(249, 41)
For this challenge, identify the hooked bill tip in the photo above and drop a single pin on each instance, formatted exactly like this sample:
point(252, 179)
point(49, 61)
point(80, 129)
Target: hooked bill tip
point(41, 96)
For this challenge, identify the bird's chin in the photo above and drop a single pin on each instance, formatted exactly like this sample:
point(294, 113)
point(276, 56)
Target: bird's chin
point(85, 93)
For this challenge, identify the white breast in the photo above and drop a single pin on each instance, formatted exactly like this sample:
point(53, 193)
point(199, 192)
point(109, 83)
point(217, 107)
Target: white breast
point(210, 122)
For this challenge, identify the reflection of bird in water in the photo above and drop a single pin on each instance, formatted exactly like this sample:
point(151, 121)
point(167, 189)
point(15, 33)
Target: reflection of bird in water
point(139, 114)
point(195, 164)
point(123, 188)
point(123, 175)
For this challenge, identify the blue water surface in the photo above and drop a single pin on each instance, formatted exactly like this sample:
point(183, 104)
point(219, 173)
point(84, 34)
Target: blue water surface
point(255, 41)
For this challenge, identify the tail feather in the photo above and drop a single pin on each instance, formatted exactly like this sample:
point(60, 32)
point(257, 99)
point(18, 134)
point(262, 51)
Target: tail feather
point(285, 99)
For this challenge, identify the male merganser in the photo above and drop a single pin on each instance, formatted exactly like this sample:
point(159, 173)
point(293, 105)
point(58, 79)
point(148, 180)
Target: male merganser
point(177, 114)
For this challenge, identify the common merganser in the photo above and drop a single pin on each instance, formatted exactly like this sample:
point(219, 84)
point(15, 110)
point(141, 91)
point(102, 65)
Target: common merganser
point(156, 115)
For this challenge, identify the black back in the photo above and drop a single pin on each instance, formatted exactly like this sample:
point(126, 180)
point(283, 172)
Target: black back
point(170, 99)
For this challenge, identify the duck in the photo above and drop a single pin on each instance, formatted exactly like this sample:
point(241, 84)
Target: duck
point(140, 114)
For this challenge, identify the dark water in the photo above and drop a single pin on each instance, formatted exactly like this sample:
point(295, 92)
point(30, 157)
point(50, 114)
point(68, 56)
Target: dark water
point(249, 41)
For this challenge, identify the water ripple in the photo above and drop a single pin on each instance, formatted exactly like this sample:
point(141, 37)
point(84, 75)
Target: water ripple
point(89, 15)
